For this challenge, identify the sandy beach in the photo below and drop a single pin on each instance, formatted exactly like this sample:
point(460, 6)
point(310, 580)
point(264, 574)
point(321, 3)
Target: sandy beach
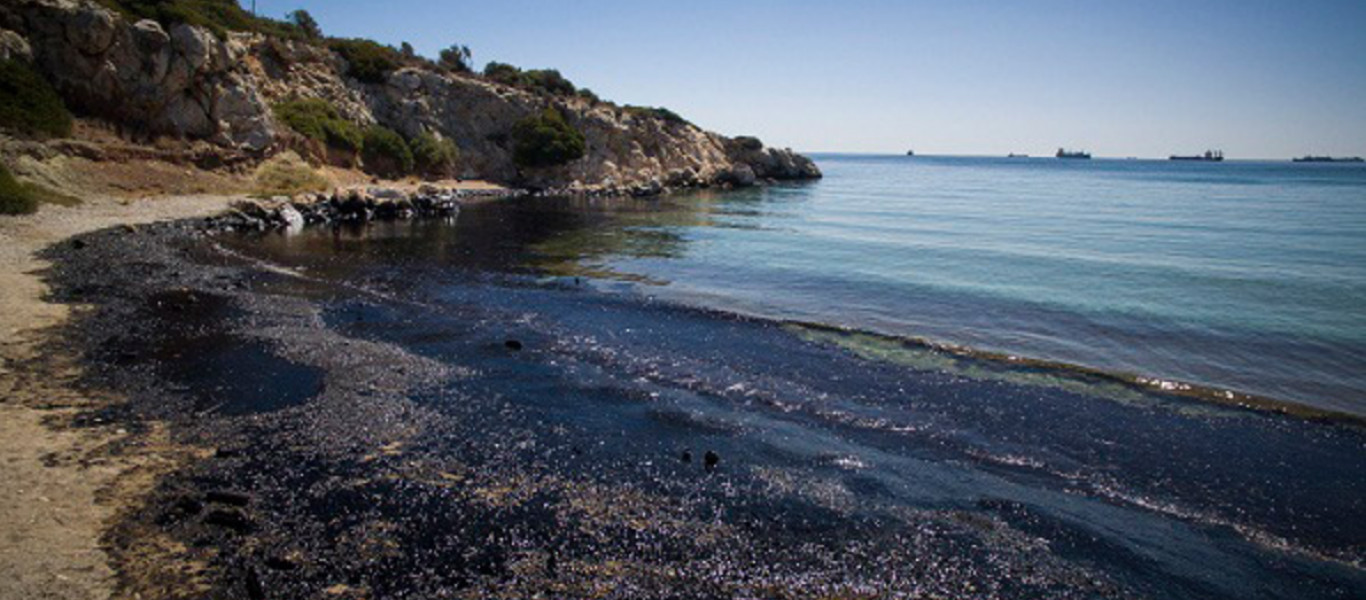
point(64, 484)
point(67, 483)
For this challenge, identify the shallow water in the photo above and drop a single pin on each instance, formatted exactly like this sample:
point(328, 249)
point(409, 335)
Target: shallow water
point(844, 441)
point(1244, 276)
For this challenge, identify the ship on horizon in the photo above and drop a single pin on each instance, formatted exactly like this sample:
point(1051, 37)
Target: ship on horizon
point(1208, 156)
point(1328, 159)
point(1065, 153)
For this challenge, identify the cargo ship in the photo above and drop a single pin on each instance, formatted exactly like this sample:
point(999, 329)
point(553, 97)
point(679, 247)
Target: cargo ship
point(1330, 159)
point(1209, 156)
point(1064, 153)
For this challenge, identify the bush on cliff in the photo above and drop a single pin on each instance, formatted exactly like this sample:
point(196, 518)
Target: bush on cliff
point(657, 112)
point(368, 61)
point(545, 139)
point(434, 156)
point(15, 198)
point(748, 143)
point(307, 25)
point(588, 95)
point(29, 105)
point(503, 73)
point(319, 120)
point(546, 82)
point(456, 59)
point(218, 16)
point(386, 153)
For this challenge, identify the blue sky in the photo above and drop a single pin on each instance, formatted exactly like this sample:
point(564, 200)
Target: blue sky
point(1151, 78)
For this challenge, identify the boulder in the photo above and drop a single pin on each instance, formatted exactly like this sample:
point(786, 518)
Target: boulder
point(91, 29)
point(290, 217)
point(742, 175)
point(195, 46)
point(149, 35)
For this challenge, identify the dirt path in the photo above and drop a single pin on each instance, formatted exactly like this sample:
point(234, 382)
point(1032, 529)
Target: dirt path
point(61, 485)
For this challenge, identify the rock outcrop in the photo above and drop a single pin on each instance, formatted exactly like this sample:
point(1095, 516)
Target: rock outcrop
point(186, 82)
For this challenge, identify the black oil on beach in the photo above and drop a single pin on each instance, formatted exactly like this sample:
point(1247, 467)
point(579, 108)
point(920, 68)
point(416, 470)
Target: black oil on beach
point(378, 434)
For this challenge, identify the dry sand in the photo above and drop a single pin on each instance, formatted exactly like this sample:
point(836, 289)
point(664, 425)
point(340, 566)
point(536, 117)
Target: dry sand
point(62, 485)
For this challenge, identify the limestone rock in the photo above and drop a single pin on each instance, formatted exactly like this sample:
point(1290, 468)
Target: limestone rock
point(187, 82)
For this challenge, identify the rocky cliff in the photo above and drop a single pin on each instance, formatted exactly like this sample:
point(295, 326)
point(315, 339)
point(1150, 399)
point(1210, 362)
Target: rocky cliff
point(186, 82)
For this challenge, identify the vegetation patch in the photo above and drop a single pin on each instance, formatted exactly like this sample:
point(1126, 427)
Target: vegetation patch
point(544, 82)
point(748, 142)
point(29, 105)
point(287, 174)
point(657, 112)
point(218, 16)
point(385, 152)
point(546, 139)
point(434, 156)
point(456, 59)
point(319, 120)
point(15, 198)
point(368, 61)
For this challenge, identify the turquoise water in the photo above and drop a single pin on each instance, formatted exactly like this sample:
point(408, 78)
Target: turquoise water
point(1242, 276)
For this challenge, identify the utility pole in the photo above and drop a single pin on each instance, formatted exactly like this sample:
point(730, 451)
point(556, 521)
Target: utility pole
point(253, 8)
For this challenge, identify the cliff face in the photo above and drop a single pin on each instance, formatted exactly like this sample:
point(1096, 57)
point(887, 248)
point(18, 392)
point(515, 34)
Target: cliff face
point(186, 82)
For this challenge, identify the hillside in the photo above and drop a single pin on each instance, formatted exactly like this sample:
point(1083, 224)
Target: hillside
point(204, 72)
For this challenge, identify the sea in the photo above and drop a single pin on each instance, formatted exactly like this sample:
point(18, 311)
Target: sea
point(1143, 378)
point(1247, 277)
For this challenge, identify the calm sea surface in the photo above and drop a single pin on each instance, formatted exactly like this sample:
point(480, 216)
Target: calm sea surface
point(1245, 276)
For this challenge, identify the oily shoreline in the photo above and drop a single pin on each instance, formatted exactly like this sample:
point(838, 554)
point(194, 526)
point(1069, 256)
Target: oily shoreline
point(1187, 391)
point(273, 505)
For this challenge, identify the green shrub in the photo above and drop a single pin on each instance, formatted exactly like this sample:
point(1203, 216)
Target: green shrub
point(749, 143)
point(657, 112)
point(218, 16)
point(588, 95)
point(29, 105)
point(15, 198)
point(546, 140)
point(433, 155)
point(385, 152)
point(369, 61)
point(456, 59)
point(503, 73)
point(539, 81)
point(548, 81)
point(286, 174)
point(319, 120)
point(306, 24)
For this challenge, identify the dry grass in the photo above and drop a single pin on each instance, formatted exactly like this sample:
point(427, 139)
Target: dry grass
point(287, 174)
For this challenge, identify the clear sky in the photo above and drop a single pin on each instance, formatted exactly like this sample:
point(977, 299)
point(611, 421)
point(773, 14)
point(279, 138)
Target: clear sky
point(1258, 79)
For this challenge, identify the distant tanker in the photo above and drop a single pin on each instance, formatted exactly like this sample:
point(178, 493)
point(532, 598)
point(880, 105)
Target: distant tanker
point(1208, 156)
